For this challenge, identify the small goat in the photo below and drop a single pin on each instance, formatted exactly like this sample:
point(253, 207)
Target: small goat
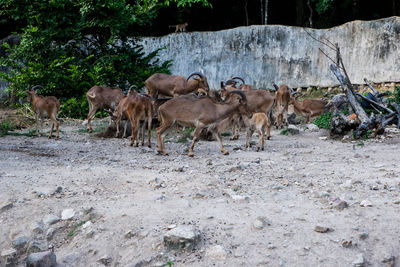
point(45, 106)
point(282, 97)
point(199, 112)
point(101, 97)
point(175, 85)
point(309, 107)
point(258, 123)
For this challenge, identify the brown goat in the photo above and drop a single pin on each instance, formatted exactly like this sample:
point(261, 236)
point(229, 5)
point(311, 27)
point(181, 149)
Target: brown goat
point(258, 123)
point(199, 112)
point(45, 106)
point(282, 97)
point(101, 97)
point(258, 101)
point(174, 85)
point(139, 107)
point(309, 107)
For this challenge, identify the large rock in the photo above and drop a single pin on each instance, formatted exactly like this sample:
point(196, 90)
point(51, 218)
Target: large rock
point(9, 256)
point(284, 54)
point(181, 238)
point(42, 259)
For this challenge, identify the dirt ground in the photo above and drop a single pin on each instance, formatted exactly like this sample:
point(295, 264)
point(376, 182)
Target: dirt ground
point(250, 208)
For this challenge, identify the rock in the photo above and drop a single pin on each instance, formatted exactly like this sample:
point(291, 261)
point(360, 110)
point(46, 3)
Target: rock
point(37, 228)
point(271, 246)
point(5, 205)
point(67, 214)
point(312, 127)
point(338, 102)
point(366, 203)
point(50, 219)
point(293, 130)
point(50, 233)
point(36, 246)
point(129, 234)
point(42, 259)
point(321, 229)
point(347, 243)
point(389, 260)
point(87, 224)
point(340, 204)
point(87, 209)
point(181, 237)
point(216, 253)
point(90, 233)
point(359, 261)
point(19, 243)
point(260, 223)
point(363, 236)
point(323, 138)
point(105, 260)
point(9, 256)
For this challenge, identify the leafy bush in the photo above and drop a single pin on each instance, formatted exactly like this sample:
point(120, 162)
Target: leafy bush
point(74, 108)
point(5, 126)
point(324, 121)
point(394, 98)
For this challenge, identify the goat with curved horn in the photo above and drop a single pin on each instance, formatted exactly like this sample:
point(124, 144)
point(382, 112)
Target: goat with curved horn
point(194, 74)
point(34, 88)
point(275, 86)
point(238, 78)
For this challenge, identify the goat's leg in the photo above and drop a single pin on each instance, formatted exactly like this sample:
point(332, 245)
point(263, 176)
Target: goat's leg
point(37, 124)
point(90, 117)
point(143, 128)
point(308, 118)
point(41, 126)
point(54, 122)
point(160, 136)
point(219, 138)
point(249, 134)
point(196, 135)
point(268, 128)
point(149, 121)
point(117, 121)
point(260, 140)
point(133, 132)
point(126, 124)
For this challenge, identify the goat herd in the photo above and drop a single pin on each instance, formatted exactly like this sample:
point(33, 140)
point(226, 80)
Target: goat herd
point(191, 105)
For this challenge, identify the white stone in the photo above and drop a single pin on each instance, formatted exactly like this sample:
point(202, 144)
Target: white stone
point(67, 214)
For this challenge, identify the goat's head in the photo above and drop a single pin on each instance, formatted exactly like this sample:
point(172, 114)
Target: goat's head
point(201, 79)
point(33, 92)
point(238, 98)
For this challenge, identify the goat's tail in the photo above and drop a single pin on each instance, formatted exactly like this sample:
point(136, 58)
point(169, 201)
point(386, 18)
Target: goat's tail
point(90, 96)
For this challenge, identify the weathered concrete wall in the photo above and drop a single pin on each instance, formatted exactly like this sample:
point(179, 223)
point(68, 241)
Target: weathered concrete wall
point(262, 54)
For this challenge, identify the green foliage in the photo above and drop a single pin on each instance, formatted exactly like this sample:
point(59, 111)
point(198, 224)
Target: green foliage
point(69, 46)
point(5, 126)
point(74, 108)
point(322, 6)
point(394, 97)
point(186, 135)
point(324, 121)
point(285, 131)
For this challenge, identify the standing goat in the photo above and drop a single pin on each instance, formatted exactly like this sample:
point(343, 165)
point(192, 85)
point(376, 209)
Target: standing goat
point(175, 85)
point(135, 107)
point(258, 123)
point(282, 97)
point(44, 106)
point(257, 100)
point(309, 107)
point(199, 112)
point(102, 97)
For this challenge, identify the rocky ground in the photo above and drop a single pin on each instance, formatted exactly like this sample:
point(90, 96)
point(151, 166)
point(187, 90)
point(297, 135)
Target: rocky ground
point(306, 200)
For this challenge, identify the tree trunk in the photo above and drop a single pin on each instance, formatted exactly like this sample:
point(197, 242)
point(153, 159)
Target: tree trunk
point(299, 12)
point(266, 12)
point(311, 14)
point(246, 13)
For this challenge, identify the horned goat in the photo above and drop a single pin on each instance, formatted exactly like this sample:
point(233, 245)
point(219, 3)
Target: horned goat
point(102, 97)
point(175, 85)
point(199, 112)
point(44, 106)
point(309, 107)
point(282, 98)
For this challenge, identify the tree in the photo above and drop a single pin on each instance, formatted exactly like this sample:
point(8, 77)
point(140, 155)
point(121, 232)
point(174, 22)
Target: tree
point(67, 46)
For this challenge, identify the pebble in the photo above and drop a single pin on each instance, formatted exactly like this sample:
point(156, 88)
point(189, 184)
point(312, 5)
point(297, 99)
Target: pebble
point(105, 260)
point(5, 205)
point(340, 204)
point(260, 223)
point(389, 260)
point(363, 235)
point(42, 259)
point(67, 214)
point(9, 256)
point(216, 253)
point(51, 219)
point(50, 233)
point(20, 242)
point(322, 229)
point(359, 261)
point(37, 228)
point(181, 237)
point(366, 203)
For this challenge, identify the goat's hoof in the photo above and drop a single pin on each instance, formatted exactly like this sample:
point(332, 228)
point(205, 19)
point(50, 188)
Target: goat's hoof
point(131, 144)
point(190, 154)
point(149, 146)
point(57, 137)
point(90, 131)
point(258, 149)
point(49, 137)
point(225, 152)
